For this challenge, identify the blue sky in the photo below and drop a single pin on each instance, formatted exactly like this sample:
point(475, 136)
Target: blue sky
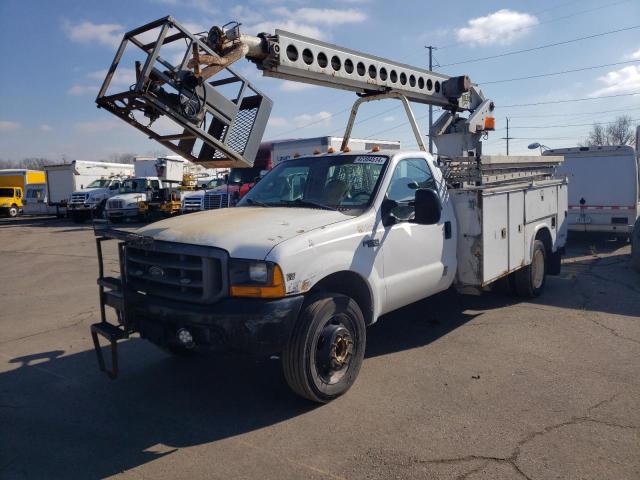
point(55, 53)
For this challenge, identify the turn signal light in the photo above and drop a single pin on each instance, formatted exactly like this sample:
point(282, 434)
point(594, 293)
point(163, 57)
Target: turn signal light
point(375, 148)
point(296, 155)
point(346, 149)
point(331, 150)
point(275, 290)
point(489, 123)
point(316, 152)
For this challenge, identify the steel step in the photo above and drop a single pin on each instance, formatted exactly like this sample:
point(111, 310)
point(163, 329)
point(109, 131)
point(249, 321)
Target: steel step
point(114, 299)
point(110, 282)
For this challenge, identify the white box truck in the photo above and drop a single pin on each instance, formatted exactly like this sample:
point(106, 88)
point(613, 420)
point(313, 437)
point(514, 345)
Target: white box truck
point(63, 180)
point(603, 188)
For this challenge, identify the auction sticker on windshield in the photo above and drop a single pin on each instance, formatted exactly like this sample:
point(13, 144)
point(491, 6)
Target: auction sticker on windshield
point(370, 159)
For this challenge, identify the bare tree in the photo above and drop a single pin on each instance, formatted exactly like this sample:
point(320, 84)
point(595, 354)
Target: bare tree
point(619, 132)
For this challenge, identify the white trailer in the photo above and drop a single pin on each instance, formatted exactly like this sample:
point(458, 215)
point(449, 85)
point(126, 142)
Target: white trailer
point(603, 188)
point(64, 179)
point(286, 149)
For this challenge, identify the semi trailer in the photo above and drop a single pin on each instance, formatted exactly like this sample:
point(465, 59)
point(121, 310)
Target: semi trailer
point(324, 245)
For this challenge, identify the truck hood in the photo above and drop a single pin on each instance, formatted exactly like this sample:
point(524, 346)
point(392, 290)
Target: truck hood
point(245, 232)
point(128, 197)
point(91, 190)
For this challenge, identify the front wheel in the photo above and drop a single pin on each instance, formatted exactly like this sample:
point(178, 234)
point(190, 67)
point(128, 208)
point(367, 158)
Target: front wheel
point(324, 354)
point(529, 281)
point(13, 211)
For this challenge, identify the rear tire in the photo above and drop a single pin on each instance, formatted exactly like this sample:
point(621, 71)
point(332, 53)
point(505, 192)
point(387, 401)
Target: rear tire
point(325, 351)
point(529, 281)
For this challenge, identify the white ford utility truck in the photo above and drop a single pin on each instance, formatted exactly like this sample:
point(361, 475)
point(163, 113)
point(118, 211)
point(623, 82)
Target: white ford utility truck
point(303, 271)
point(323, 245)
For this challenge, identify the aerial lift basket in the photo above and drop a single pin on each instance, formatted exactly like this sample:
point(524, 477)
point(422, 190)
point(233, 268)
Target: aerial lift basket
point(217, 123)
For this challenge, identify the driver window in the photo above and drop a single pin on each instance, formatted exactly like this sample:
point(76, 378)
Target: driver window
point(409, 175)
point(115, 186)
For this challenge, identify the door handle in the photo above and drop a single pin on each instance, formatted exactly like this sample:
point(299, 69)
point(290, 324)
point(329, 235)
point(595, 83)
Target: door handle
point(374, 242)
point(447, 230)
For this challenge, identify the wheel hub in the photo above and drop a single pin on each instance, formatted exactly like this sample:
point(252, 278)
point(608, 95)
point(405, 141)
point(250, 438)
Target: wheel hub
point(337, 346)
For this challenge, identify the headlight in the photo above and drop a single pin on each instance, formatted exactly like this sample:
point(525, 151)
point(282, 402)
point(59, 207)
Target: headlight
point(256, 279)
point(132, 204)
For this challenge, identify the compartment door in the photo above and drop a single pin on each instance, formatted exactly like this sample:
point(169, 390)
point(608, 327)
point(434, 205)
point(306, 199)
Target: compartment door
point(495, 237)
point(516, 229)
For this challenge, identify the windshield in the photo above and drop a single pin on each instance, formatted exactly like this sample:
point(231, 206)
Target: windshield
point(6, 192)
point(345, 182)
point(133, 185)
point(216, 182)
point(100, 183)
point(244, 175)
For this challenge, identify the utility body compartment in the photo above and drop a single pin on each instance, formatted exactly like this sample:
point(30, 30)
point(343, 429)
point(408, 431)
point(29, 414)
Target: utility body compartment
point(497, 226)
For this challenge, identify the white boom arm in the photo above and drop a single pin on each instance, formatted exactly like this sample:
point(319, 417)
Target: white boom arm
point(296, 58)
point(218, 129)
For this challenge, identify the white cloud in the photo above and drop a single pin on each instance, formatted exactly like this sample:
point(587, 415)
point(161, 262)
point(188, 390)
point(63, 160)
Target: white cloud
point(204, 5)
point(320, 118)
point(79, 89)
point(310, 22)
point(636, 55)
point(624, 80)
point(46, 128)
point(389, 118)
point(122, 78)
point(109, 34)
point(97, 126)
point(329, 16)
point(288, 86)
point(278, 122)
point(7, 126)
point(501, 27)
point(288, 25)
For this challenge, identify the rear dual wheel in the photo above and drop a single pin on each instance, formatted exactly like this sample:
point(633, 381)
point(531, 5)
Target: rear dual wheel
point(324, 354)
point(529, 281)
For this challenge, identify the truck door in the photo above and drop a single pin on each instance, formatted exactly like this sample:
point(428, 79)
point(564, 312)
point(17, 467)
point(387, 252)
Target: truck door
point(414, 255)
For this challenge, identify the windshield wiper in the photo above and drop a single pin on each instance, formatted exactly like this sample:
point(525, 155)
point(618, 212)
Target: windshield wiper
point(251, 201)
point(310, 203)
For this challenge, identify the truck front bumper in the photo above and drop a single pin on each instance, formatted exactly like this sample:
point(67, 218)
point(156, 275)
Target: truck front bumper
point(123, 213)
point(233, 324)
point(83, 207)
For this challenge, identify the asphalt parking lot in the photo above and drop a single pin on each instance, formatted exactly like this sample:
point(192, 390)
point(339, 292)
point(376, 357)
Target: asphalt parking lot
point(474, 388)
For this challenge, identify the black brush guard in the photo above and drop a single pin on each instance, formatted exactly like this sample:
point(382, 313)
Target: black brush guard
point(207, 124)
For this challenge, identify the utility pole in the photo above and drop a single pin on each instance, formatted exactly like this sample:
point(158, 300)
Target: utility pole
point(507, 138)
point(431, 48)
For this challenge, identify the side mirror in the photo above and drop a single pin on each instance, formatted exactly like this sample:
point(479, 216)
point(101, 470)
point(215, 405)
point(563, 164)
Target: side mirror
point(428, 207)
point(385, 212)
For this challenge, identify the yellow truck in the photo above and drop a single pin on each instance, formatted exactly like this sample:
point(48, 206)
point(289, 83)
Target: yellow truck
point(12, 186)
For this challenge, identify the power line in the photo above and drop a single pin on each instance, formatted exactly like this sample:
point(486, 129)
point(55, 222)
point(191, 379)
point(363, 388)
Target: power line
point(540, 47)
point(315, 122)
point(574, 114)
point(551, 102)
point(571, 125)
point(551, 74)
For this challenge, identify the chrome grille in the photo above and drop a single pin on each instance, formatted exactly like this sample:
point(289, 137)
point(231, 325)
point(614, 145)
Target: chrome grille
point(79, 197)
point(215, 200)
point(193, 203)
point(188, 273)
point(116, 203)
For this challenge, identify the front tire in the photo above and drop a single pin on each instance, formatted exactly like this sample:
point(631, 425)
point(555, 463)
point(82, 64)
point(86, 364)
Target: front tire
point(13, 211)
point(325, 351)
point(529, 281)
